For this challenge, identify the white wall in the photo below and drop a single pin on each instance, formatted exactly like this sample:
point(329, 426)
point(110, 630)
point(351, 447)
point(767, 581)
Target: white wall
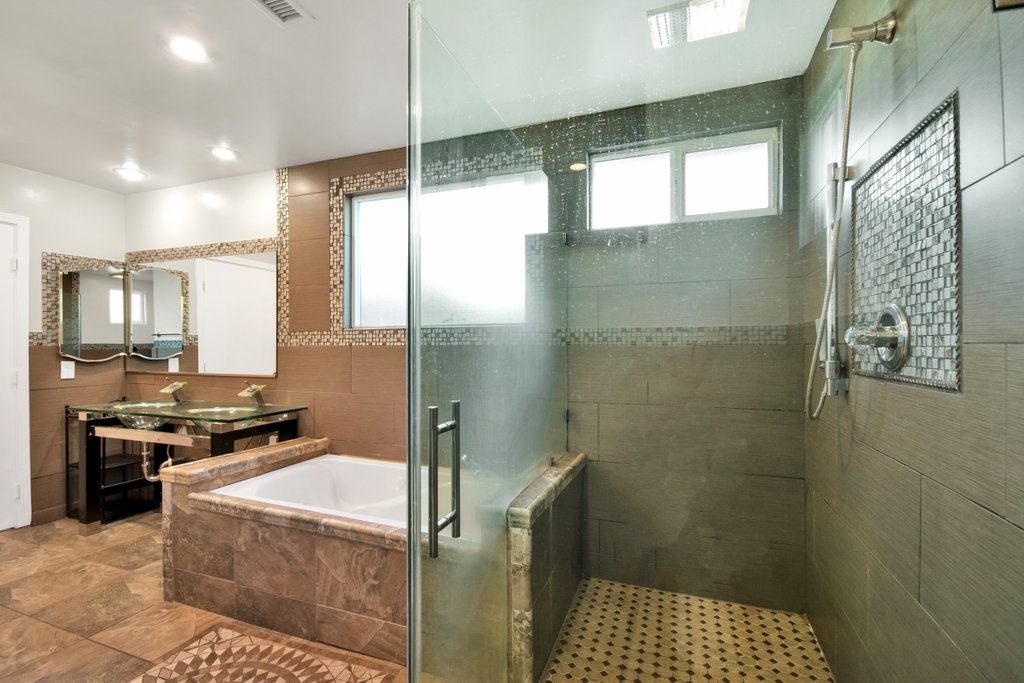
point(64, 217)
point(226, 210)
point(71, 218)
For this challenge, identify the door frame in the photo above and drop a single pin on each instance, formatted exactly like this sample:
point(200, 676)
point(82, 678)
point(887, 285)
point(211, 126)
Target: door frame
point(19, 439)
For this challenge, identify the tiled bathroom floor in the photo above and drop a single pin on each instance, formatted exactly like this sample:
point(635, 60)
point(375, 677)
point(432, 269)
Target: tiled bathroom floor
point(85, 608)
point(615, 631)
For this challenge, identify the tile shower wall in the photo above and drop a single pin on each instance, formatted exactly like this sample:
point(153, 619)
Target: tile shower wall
point(684, 362)
point(915, 519)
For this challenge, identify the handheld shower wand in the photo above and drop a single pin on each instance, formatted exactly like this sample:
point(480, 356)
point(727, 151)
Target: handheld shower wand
point(882, 31)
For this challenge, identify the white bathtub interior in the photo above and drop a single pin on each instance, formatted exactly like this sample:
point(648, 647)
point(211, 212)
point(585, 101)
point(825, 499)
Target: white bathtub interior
point(340, 485)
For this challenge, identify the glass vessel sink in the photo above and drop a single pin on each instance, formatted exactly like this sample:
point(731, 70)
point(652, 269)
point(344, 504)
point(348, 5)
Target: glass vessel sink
point(132, 413)
point(210, 417)
point(203, 416)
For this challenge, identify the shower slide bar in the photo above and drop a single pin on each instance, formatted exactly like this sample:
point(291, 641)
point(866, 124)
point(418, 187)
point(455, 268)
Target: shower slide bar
point(826, 341)
point(434, 525)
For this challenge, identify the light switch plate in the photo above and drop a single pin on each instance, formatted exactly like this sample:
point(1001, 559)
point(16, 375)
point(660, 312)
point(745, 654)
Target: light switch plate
point(172, 365)
point(67, 369)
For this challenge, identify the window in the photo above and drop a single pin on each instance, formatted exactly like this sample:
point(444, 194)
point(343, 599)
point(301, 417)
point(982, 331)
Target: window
point(723, 176)
point(472, 252)
point(117, 308)
point(379, 260)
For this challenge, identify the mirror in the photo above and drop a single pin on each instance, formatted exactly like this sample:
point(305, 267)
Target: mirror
point(156, 297)
point(228, 314)
point(92, 314)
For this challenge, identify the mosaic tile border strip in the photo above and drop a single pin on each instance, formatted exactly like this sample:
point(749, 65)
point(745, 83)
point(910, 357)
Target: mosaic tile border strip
point(616, 631)
point(150, 256)
point(515, 335)
point(53, 264)
point(906, 248)
point(463, 167)
point(283, 260)
point(756, 335)
point(338, 334)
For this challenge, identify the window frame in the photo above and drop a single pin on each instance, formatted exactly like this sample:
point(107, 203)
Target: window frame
point(678, 149)
point(352, 265)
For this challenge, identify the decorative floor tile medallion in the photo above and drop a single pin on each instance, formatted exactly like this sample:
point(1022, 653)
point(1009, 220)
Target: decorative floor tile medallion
point(224, 656)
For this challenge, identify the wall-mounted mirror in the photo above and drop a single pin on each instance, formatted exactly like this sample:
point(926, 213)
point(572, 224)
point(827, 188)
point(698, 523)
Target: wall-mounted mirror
point(229, 315)
point(156, 297)
point(92, 314)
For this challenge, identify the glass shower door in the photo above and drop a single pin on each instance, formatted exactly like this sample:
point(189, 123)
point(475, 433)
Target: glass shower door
point(487, 298)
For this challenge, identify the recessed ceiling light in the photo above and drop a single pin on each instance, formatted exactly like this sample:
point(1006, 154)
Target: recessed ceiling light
point(188, 49)
point(131, 172)
point(224, 153)
point(578, 166)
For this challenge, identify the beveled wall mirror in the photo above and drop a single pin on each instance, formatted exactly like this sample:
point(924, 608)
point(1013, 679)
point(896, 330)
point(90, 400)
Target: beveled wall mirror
point(157, 296)
point(228, 314)
point(92, 314)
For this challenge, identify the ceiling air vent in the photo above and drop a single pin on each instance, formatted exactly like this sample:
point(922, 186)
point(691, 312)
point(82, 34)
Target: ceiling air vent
point(283, 11)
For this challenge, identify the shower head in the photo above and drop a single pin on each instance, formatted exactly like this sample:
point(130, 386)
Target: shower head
point(882, 31)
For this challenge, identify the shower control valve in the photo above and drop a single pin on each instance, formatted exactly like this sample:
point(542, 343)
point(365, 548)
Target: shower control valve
point(890, 337)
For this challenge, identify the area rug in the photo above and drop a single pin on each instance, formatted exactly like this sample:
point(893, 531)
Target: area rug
point(225, 656)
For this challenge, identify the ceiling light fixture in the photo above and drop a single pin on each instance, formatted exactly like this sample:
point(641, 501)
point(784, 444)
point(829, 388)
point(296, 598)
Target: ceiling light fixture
point(131, 172)
point(188, 49)
point(711, 18)
point(577, 166)
point(224, 153)
point(697, 20)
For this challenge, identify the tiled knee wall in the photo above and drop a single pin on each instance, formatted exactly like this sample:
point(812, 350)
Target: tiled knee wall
point(545, 563)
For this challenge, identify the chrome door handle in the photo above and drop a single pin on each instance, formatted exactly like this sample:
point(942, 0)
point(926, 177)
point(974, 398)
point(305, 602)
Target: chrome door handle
point(435, 526)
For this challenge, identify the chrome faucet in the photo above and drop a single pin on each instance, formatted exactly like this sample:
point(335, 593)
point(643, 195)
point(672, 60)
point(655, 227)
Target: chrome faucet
point(174, 389)
point(253, 391)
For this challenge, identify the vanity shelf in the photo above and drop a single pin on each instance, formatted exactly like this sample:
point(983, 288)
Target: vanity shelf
point(104, 462)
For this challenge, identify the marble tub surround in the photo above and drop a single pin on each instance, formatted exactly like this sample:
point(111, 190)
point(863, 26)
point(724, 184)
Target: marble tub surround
point(76, 608)
point(200, 542)
point(283, 516)
point(306, 574)
point(545, 556)
point(226, 469)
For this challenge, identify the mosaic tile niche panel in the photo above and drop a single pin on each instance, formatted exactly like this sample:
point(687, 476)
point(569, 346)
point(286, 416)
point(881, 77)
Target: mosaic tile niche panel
point(906, 249)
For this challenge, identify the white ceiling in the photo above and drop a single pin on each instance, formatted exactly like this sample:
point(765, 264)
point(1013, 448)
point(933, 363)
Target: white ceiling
point(87, 85)
point(538, 60)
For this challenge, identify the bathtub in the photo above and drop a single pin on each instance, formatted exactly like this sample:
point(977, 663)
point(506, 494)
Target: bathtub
point(293, 538)
point(338, 485)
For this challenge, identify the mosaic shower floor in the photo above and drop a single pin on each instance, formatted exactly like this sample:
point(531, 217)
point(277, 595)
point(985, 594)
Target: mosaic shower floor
point(618, 632)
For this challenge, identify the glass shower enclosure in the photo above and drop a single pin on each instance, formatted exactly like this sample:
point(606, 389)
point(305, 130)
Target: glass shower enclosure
point(486, 366)
point(606, 258)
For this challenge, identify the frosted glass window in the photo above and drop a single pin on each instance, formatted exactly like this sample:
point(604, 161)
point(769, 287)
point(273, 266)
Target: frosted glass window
point(379, 260)
point(117, 308)
point(473, 249)
point(634, 190)
point(718, 176)
point(727, 179)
